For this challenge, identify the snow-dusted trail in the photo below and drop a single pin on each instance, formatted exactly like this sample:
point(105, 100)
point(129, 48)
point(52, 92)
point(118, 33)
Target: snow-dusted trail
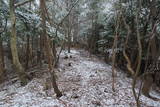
point(85, 82)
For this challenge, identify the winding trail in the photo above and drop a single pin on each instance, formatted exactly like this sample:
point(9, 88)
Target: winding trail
point(85, 82)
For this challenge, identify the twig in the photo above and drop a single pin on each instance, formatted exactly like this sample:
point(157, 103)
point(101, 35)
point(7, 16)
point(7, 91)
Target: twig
point(66, 16)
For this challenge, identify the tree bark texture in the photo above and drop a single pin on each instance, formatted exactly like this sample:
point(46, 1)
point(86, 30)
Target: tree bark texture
point(13, 44)
point(48, 49)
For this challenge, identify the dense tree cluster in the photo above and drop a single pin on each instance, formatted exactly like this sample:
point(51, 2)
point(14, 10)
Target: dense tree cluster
point(126, 33)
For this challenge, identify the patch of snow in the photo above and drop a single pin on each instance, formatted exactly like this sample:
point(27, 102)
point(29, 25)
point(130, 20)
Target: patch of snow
point(87, 82)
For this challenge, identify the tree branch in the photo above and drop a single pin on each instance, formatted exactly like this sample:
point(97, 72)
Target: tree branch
point(69, 12)
point(66, 16)
point(22, 3)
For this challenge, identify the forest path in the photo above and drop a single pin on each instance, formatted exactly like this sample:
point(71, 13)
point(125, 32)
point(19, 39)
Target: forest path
point(89, 80)
point(85, 82)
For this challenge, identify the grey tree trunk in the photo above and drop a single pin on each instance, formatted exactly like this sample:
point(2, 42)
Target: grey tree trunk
point(13, 41)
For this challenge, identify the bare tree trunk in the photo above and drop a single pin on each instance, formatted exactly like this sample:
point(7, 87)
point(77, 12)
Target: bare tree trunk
point(114, 55)
point(69, 27)
point(75, 19)
point(27, 52)
point(139, 55)
point(153, 11)
point(69, 39)
point(113, 62)
point(54, 51)
point(129, 66)
point(152, 49)
point(40, 53)
point(48, 49)
point(13, 43)
point(1, 62)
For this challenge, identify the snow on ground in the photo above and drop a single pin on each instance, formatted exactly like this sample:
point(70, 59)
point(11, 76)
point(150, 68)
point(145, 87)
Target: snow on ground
point(85, 82)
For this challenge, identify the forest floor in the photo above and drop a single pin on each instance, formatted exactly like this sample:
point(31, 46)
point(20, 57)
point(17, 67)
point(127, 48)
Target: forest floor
point(85, 81)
